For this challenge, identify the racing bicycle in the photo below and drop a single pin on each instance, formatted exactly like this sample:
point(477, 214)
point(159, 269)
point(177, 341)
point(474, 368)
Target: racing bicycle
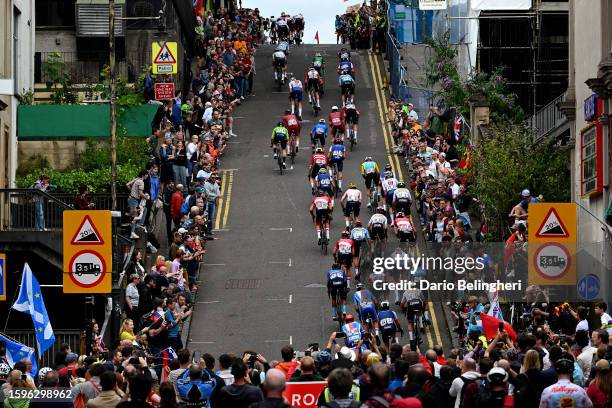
point(373, 198)
point(313, 98)
point(350, 134)
point(334, 176)
point(278, 72)
point(292, 148)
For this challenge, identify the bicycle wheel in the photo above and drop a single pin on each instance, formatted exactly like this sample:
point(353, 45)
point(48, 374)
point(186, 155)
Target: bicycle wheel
point(280, 163)
point(324, 246)
point(351, 134)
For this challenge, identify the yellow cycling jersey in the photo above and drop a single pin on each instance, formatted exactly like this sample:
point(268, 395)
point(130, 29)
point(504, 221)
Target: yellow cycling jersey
point(369, 167)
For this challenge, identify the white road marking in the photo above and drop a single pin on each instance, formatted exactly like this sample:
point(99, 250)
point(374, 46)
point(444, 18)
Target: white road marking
point(209, 302)
point(291, 340)
point(279, 341)
point(221, 230)
point(214, 264)
point(266, 155)
point(201, 342)
point(290, 298)
point(281, 262)
point(290, 229)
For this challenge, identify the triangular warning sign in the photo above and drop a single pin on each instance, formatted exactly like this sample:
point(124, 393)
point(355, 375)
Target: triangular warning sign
point(552, 227)
point(87, 234)
point(164, 56)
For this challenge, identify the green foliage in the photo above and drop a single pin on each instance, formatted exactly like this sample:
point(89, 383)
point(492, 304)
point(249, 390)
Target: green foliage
point(506, 162)
point(35, 164)
point(97, 180)
point(97, 155)
point(26, 97)
point(456, 91)
point(58, 80)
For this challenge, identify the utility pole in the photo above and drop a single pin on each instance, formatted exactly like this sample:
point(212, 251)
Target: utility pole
point(113, 108)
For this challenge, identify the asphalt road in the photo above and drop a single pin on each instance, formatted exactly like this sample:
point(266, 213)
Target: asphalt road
point(263, 279)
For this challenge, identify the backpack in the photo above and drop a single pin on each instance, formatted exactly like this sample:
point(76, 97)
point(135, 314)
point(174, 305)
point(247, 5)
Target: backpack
point(466, 382)
point(486, 399)
point(524, 393)
point(80, 402)
point(334, 404)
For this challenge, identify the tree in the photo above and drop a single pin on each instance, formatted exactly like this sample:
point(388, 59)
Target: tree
point(58, 80)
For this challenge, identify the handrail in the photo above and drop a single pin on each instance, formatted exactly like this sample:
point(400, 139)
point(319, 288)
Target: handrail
point(547, 119)
point(37, 192)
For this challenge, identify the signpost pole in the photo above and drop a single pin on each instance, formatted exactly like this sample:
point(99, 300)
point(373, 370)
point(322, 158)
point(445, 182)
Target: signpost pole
point(113, 108)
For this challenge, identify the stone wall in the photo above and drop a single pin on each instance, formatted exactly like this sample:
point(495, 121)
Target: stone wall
point(59, 153)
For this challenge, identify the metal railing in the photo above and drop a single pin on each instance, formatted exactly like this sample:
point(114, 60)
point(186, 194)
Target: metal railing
point(28, 337)
point(17, 208)
point(547, 120)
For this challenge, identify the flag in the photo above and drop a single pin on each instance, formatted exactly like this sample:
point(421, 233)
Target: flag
point(16, 352)
point(317, 37)
point(490, 326)
point(458, 123)
point(494, 310)
point(167, 355)
point(30, 301)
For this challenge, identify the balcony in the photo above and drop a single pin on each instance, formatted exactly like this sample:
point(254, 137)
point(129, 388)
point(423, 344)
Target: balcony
point(548, 122)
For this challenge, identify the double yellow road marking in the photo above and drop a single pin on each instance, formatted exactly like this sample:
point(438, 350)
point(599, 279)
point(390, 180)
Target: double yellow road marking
point(225, 198)
point(381, 100)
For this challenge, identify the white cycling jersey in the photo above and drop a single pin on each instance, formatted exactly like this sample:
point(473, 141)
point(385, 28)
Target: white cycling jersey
point(281, 23)
point(295, 85)
point(312, 74)
point(402, 193)
point(278, 55)
point(378, 219)
point(352, 195)
point(389, 184)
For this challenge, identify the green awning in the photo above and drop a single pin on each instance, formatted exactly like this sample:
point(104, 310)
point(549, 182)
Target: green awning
point(57, 122)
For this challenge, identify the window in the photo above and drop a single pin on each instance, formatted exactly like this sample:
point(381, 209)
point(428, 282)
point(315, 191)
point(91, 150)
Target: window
point(591, 160)
point(55, 13)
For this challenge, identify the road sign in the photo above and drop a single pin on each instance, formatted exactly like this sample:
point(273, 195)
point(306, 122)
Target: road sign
point(432, 4)
point(552, 222)
point(552, 263)
point(164, 91)
point(87, 251)
point(304, 394)
point(2, 277)
point(588, 287)
point(164, 57)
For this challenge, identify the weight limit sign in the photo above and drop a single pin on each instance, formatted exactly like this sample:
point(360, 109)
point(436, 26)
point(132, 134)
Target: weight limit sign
point(87, 268)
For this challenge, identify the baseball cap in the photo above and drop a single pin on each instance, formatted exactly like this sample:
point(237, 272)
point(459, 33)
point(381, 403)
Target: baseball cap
point(347, 353)
point(182, 231)
point(71, 357)
point(525, 193)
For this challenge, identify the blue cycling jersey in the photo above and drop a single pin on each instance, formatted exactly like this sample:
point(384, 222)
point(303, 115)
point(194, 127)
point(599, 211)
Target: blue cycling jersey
point(386, 320)
point(336, 278)
point(345, 66)
point(337, 151)
point(364, 300)
point(324, 181)
point(359, 234)
point(319, 128)
point(352, 333)
point(345, 79)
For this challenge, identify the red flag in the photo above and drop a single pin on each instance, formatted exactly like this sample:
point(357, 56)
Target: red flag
point(490, 325)
point(317, 37)
point(165, 358)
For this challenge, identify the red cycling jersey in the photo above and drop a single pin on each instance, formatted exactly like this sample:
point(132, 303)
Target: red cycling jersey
point(318, 159)
point(321, 203)
point(292, 124)
point(335, 119)
point(344, 246)
point(404, 224)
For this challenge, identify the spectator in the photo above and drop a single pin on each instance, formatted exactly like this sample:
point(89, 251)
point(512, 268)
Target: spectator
point(127, 329)
point(341, 390)
point(167, 394)
point(600, 389)
point(132, 298)
point(42, 184)
point(225, 363)
point(91, 387)
point(139, 390)
point(108, 397)
point(82, 200)
point(240, 394)
point(274, 385)
point(306, 372)
point(468, 375)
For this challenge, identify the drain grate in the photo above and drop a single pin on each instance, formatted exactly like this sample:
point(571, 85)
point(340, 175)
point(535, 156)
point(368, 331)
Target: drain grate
point(243, 284)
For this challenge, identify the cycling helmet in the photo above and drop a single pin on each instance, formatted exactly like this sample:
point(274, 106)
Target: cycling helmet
point(323, 170)
point(320, 193)
point(349, 318)
point(359, 286)
point(399, 214)
point(287, 112)
point(42, 372)
point(388, 175)
point(367, 158)
point(345, 233)
point(350, 106)
point(280, 124)
point(498, 375)
point(5, 369)
point(324, 357)
point(358, 223)
point(292, 78)
point(384, 305)
point(334, 108)
point(401, 184)
point(317, 54)
point(352, 185)
point(319, 150)
point(380, 210)
point(321, 120)
point(388, 167)
point(311, 68)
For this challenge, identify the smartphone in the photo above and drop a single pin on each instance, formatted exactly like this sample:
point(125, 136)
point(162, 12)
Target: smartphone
point(314, 346)
point(339, 335)
point(501, 326)
point(301, 354)
point(195, 358)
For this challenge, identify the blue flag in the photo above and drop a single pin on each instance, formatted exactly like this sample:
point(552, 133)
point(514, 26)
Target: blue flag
point(30, 301)
point(16, 352)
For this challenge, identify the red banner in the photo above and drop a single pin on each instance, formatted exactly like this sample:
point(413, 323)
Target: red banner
point(164, 91)
point(304, 394)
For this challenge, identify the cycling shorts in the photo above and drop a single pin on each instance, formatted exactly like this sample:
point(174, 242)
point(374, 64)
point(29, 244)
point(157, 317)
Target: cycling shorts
point(280, 140)
point(318, 136)
point(296, 94)
point(322, 216)
point(368, 312)
point(327, 189)
point(280, 62)
point(338, 293)
point(352, 207)
point(387, 336)
point(348, 88)
point(336, 129)
point(282, 30)
point(345, 259)
point(299, 24)
point(294, 130)
point(378, 231)
point(414, 307)
point(315, 170)
point(402, 205)
point(339, 163)
point(357, 246)
point(389, 196)
point(371, 178)
point(406, 236)
point(313, 84)
point(351, 116)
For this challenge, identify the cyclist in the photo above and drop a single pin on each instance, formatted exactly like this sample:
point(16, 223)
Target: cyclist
point(324, 182)
point(318, 62)
point(335, 122)
point(346, 67)
point(336, 155)
point(279, 59)
point(293, 125)
point(412, 304)
point(319, 133)
point(359, 235)
point(321, 209)
point(377, 226)
point(282, 28)
point(389, 184)
point(337, 289)
point(283, 46)
point(350, 116)
point(351, 203)
point(313, 80)
point(298, 23)
point(344, 54)
point(403, 227)
point(353, 331)
point(273, 36)
point(389, 324)
point(343, 254)
point(318, 160)
point(295, 96)
point(347, 88)
point(280, 136)
point(365, 305)
point(402, 199)
point(369, 172)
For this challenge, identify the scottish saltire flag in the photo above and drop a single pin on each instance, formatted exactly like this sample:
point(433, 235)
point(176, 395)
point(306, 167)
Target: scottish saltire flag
point(30, 301)
point(494, 309)
point(16, 352)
